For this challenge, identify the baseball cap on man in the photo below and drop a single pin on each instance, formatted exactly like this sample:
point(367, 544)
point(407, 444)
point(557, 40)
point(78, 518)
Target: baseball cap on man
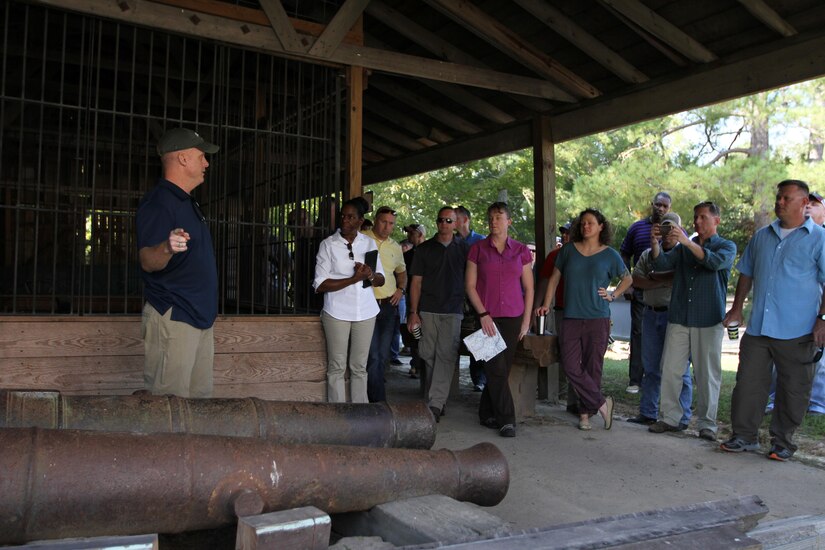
point(417, 227)
point(672, 218)
point(814, 196)
point(565, 228)
point(178, 139)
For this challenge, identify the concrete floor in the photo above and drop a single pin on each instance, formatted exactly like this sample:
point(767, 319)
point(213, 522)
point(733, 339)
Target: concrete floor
point(559, 474)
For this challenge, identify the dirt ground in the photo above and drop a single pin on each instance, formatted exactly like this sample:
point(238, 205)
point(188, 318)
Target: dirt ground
point(559, 474)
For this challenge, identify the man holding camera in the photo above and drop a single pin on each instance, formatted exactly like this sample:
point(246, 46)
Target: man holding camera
point(694, 319)
point(784, 263)
point(634, 244)
point(656, 287)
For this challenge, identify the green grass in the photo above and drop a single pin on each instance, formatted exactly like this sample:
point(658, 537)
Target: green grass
point(614, 382)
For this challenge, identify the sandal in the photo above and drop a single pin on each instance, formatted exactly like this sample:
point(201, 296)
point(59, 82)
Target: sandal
point(584, 425)
point(608, 421)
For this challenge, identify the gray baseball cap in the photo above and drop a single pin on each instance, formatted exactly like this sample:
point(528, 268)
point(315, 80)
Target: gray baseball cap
point(671, 218)
point(178, 139)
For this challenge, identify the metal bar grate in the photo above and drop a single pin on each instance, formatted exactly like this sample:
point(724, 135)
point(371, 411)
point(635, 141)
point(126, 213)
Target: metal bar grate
point(82, 104)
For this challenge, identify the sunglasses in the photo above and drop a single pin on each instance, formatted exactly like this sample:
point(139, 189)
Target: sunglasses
point(444, 220)
point(351, 255)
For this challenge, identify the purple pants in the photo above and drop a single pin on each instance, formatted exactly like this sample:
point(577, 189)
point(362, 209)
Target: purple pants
point(583, 344)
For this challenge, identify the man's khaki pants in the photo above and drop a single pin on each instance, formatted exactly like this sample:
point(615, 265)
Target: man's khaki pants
point(178, 357)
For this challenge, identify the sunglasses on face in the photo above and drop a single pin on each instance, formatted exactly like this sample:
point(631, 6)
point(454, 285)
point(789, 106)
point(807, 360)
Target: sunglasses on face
point(444, 220)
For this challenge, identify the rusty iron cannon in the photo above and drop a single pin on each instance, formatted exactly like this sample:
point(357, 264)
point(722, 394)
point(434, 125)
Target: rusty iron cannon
point(409, 425)
point(73, 483)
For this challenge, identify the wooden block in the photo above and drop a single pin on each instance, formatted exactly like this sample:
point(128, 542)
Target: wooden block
point(421, 520)
point(524, 384)
point(134, 542)
point(306, 528)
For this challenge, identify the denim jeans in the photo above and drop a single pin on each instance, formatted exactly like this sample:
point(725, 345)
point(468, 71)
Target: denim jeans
point(654, 326)
point(380, 351)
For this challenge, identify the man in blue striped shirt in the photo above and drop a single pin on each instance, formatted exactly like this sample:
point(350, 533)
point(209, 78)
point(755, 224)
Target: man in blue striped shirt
point(634, 244)
point(784, 263)
point(694, 322)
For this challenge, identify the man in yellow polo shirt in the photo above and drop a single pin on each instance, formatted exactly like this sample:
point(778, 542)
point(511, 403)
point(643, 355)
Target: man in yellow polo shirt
point(388, 297)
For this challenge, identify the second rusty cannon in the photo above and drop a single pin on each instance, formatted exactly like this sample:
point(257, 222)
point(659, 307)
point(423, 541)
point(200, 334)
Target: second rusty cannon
point(408, 425)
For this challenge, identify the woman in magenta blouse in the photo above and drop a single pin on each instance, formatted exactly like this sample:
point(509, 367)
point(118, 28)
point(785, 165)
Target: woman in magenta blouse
point(499, 285)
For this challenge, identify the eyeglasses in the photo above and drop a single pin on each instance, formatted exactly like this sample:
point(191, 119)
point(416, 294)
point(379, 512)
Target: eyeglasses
point(351, 255)
point(444, 220)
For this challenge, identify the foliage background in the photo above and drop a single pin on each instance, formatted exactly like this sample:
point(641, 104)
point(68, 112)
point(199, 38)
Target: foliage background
point(732, 153)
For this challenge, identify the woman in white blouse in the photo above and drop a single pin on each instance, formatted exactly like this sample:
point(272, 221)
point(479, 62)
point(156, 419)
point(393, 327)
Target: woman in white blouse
point(349, 312)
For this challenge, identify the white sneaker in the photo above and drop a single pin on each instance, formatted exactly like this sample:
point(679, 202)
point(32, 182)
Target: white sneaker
point(632, 388)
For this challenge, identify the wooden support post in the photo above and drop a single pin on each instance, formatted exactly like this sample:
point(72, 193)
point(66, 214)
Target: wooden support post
point(544, 182)
point(304, 528)
point(355, 130)
point(355, 125)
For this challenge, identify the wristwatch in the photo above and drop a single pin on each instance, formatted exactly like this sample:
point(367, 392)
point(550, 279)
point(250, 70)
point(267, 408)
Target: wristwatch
point(403, 292)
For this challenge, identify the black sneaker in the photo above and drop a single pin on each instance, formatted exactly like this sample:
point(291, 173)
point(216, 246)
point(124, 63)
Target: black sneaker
point(661, 427)
point(779, 453)
point(508, 430)
point(642, 419)
point(396, 362)
point(491, 423)
point(739, 445)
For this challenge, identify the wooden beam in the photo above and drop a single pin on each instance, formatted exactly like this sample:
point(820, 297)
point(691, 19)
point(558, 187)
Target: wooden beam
point(409, 123)
point(459, 94)
point(440, 47)
point(355, 130)
point(337, 29)
point(421, 67)
point(280, 23)
point(392, 135)
point(262, 37)
point(663, 29)
point(510, 138)
point(766, 14)
point(555, 19)
point(763, 68)
point(425, 106)
point(544, 184)
point(471, 102)
point(489, 29)
point(382, 147)
point(251, 15)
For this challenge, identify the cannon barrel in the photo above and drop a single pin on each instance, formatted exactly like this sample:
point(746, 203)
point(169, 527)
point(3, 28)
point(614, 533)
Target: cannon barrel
point(72, 483)
point(409, 425)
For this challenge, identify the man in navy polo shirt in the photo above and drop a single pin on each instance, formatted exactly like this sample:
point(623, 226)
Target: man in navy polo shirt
point(180, 277)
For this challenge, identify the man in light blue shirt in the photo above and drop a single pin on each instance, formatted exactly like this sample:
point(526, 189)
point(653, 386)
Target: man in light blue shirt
point(785, 264)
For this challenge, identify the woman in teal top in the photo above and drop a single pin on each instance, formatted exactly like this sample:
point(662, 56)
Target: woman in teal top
point(588, 264)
